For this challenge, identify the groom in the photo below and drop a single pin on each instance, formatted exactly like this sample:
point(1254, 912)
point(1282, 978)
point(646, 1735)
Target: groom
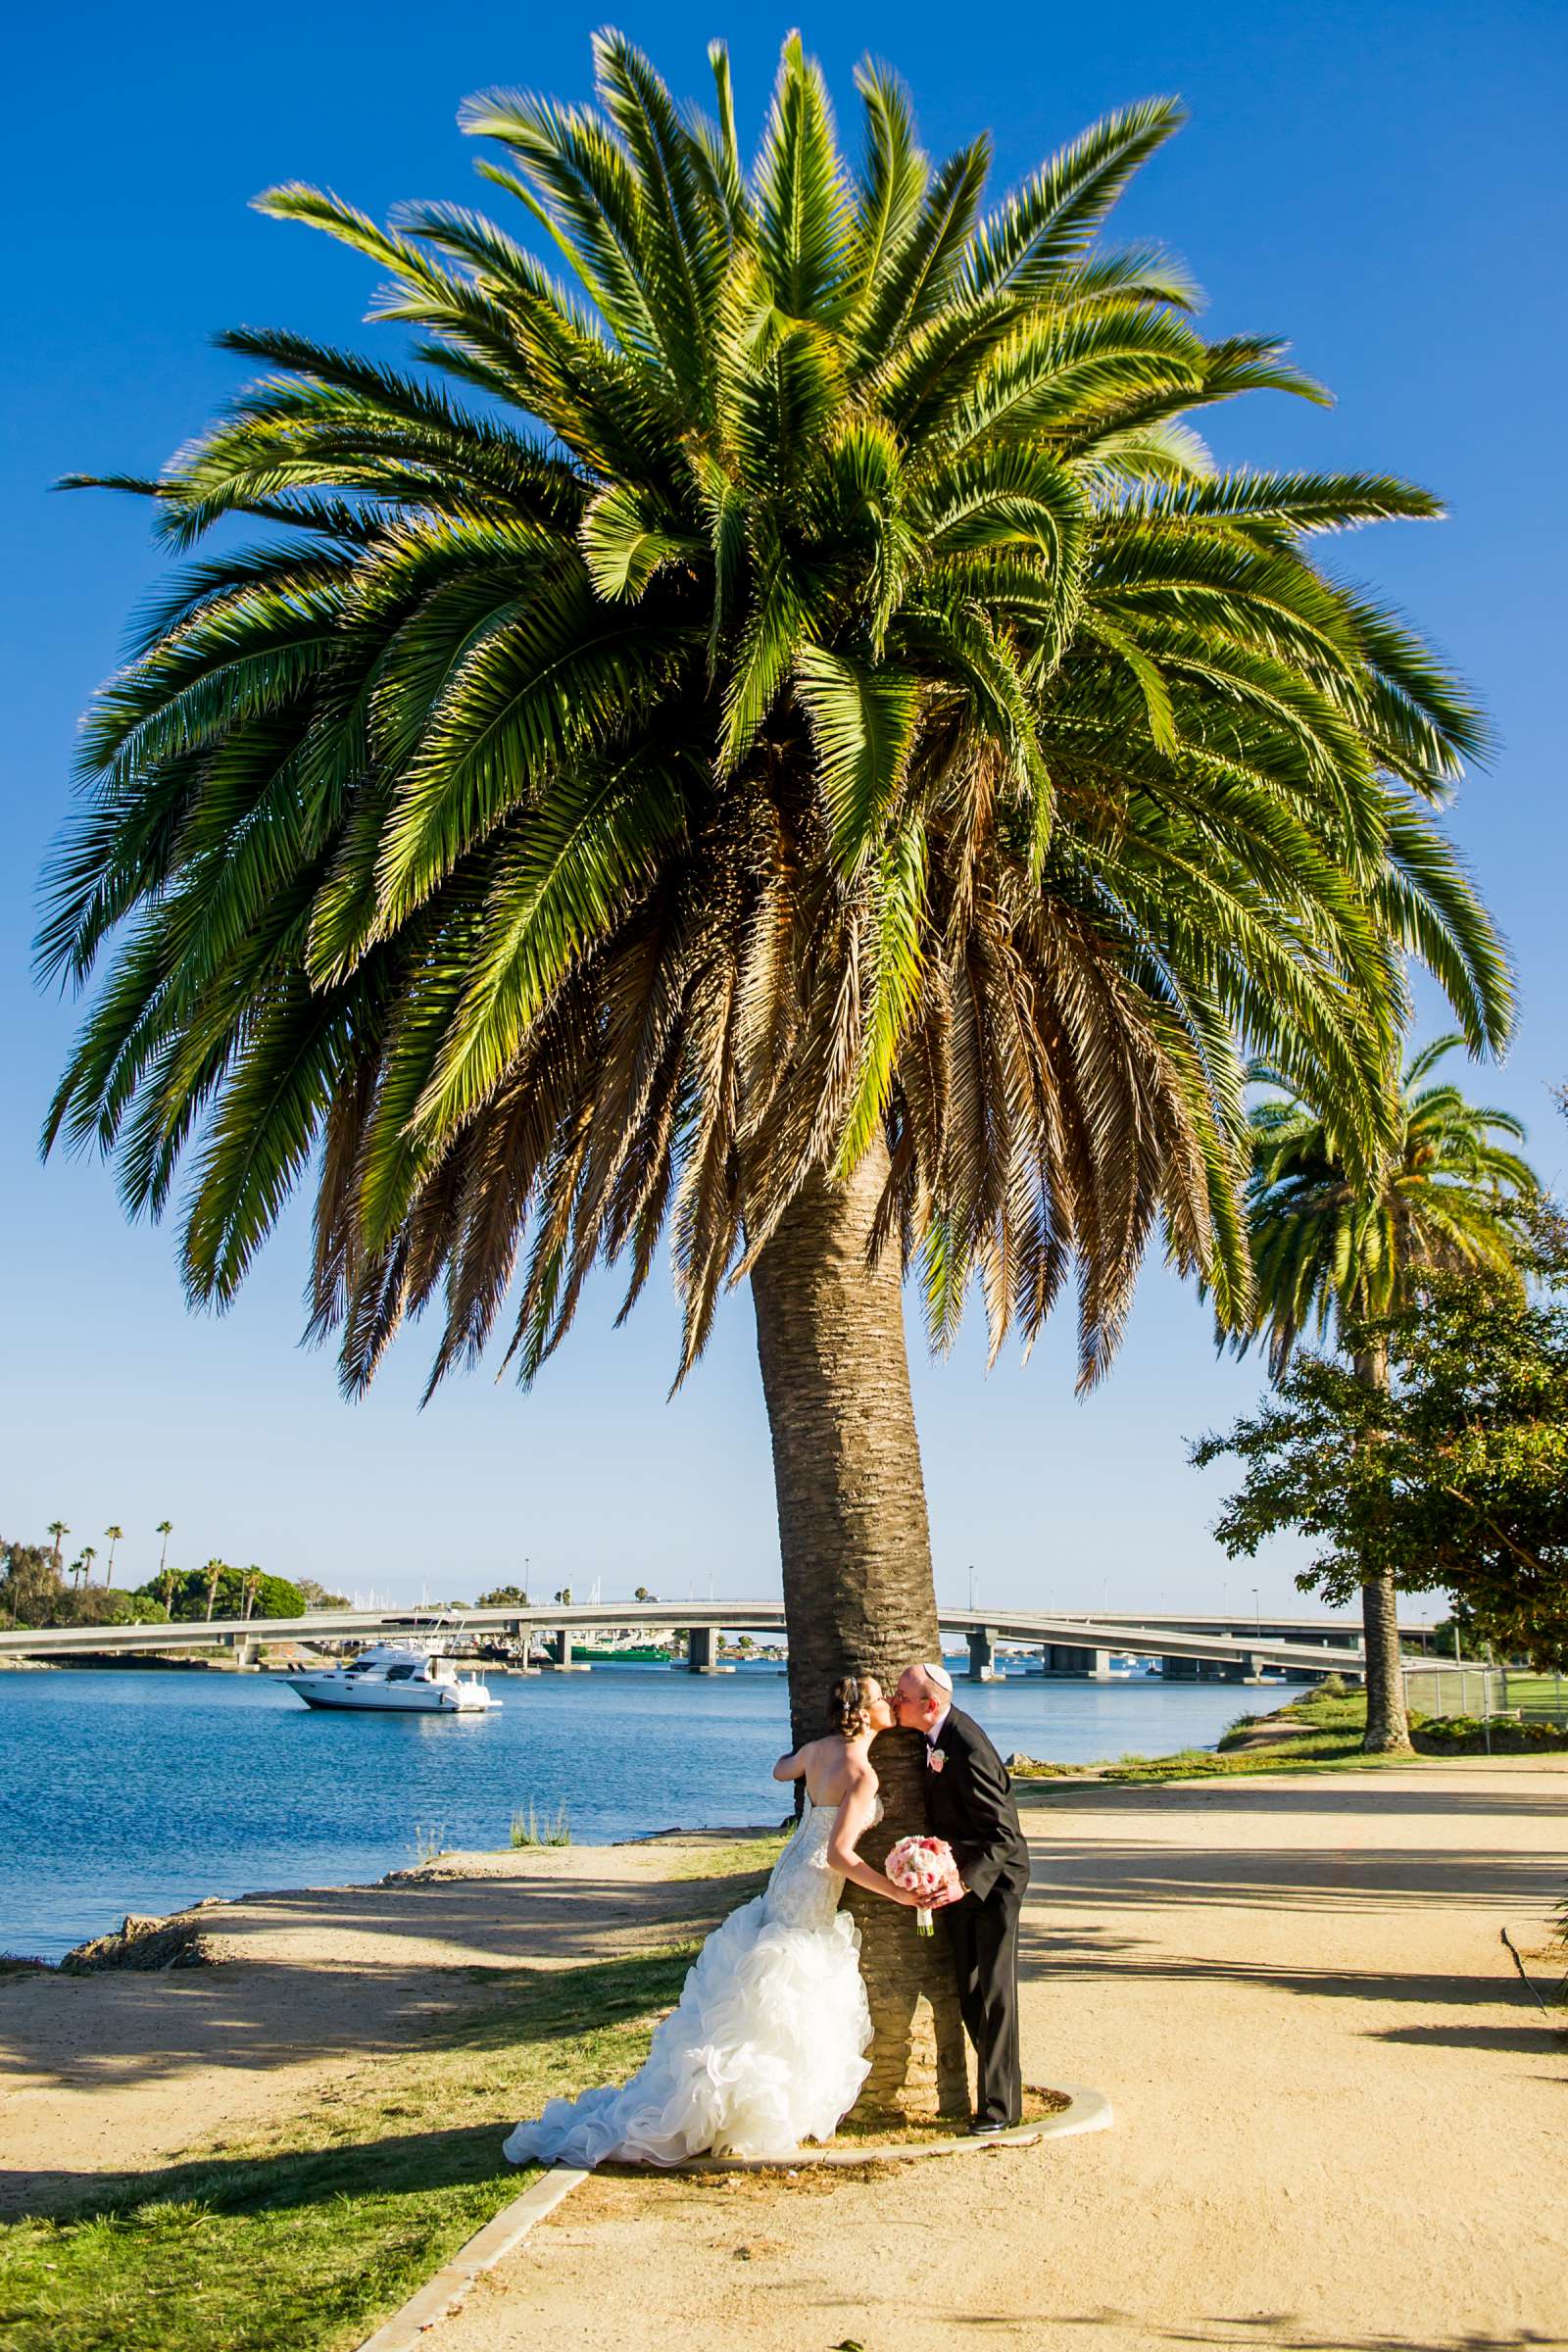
point(969, 1802)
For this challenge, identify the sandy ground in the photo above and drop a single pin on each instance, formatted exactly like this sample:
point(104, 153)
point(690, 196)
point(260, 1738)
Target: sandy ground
point(110, 2074)
point(1340, 2116)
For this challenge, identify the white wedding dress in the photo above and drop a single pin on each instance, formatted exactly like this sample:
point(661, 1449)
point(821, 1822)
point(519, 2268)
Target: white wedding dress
point(765, 2049)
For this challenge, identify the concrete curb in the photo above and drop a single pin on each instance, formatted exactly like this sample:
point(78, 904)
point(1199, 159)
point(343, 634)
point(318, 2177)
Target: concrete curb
point(440, 2296)
point(1087, 2110)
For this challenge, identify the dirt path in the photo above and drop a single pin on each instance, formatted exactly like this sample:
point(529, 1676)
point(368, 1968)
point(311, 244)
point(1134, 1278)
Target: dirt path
point(106, 2074)
point(1340, 2119)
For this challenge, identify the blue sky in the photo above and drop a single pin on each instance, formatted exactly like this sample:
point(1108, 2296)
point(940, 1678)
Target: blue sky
point(1379, 182)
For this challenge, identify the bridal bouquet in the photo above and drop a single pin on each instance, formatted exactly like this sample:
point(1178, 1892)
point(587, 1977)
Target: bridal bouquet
point(921, 1866)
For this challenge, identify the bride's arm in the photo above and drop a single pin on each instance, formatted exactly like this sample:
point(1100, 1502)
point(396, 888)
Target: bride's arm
point(792, 1766)
point(855, 1814)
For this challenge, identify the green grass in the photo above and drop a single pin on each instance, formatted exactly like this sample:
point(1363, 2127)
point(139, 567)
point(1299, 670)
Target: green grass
point(750, 1856)
point(1331, 1741)
point(301, 2243)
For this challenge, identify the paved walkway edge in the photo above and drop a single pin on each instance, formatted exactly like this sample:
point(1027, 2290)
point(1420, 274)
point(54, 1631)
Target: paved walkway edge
point(441, 2295)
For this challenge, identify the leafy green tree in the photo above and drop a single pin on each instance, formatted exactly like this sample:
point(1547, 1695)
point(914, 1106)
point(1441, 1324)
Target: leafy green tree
point(503, 1595)
point(1455, 1636)
point(97, 1604)
point(316, 1597)
point(783, 738)
point(31, 1587)
point(1336, 1245)
point(220, 1591)
point(1452, 1474)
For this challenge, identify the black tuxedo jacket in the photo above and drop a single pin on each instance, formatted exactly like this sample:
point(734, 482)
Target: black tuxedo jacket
point(968, 1801)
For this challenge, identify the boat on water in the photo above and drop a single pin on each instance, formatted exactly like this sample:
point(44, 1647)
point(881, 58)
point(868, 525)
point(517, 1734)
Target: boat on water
point(393, 1678)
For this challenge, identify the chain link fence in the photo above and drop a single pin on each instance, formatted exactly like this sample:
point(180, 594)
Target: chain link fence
point(1485, 1692)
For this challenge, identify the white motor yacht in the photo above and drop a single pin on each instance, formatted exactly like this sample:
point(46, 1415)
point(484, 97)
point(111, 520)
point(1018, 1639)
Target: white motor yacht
point(414, 1681)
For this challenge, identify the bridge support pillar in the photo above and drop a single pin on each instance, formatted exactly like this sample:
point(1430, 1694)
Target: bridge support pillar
point(245, 1653)
point(557, 1651)
point(521, 1639)
point(983, 1667)
point(701, 1650)
point(1086, 1665)
point(1179, 1670)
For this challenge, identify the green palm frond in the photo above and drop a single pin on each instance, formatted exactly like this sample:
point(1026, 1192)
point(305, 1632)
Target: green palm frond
point(1332, 1249)
point(768, 669)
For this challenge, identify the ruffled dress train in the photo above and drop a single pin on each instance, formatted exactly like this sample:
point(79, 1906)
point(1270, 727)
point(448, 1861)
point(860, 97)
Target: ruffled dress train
point(766, 2048)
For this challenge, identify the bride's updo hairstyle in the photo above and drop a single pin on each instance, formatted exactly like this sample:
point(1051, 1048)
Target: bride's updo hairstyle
point(849, 1706)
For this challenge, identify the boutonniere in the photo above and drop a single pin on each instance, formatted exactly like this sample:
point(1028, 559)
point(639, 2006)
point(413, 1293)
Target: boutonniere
point(935, 1760)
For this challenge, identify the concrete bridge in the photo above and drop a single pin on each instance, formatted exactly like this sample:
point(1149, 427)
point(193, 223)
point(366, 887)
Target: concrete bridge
point(1070, 1642)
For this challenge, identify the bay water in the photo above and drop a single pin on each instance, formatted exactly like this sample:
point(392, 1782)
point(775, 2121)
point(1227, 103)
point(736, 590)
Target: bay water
point(143, 1789)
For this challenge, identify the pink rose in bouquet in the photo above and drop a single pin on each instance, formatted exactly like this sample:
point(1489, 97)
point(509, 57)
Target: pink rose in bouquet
point(921, 1866)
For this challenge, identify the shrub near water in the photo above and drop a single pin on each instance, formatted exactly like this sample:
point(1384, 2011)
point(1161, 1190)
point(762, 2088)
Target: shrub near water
point(529, 1828)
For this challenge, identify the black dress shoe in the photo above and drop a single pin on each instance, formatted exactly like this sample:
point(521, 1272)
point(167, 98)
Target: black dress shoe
point(984, 2129)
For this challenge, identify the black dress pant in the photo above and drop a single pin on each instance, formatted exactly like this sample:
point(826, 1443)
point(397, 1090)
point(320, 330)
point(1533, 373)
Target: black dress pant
point(984, 1935)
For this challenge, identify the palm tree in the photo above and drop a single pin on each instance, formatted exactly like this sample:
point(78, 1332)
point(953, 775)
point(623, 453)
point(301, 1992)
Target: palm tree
point(784, 738)
point(164, 1528)
point(250, 1586)
point(213, 1570)
point(115, 1535)
point(59, 1529)
point(88, 1556)
point(1336, 1246)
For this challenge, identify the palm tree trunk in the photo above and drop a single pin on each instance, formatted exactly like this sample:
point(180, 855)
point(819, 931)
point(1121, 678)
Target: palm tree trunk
point(858, 1597)
point(1388, 1725)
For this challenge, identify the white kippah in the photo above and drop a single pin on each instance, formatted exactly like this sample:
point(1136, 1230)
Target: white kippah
point(938, 1675)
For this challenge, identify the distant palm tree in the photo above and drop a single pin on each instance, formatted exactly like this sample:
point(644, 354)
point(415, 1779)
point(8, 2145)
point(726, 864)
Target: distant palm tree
point(251, 1584)
point(642, 1593)
point(59, 1529)
point(164, 1528)
point(115, 1535)
point(1332, 1245)
point(213, 1571)
point(88, 1556)
point(815, 758)
point(564, 1595)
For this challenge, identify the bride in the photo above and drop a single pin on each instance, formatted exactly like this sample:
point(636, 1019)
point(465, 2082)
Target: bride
point(767, 2045)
